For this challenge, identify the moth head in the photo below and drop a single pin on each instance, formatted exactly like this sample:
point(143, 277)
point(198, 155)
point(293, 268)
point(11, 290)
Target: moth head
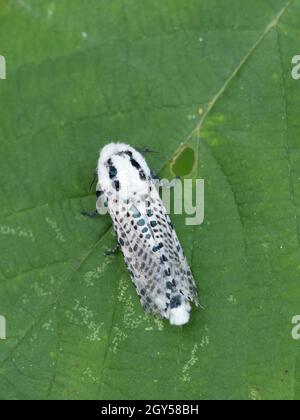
point(122, 169)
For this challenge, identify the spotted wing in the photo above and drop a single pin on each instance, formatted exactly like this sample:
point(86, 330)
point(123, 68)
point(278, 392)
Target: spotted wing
point(153, 255)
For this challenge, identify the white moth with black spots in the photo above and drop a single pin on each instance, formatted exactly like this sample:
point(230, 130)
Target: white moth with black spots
point(152, 252)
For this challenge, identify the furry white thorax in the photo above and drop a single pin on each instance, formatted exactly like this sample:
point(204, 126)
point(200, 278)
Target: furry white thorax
point(131, 184)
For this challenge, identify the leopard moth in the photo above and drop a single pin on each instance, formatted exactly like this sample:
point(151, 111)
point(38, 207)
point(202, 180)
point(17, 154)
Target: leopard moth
point(154, 258)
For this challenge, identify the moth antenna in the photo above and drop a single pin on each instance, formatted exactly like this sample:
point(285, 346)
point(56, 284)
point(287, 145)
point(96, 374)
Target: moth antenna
point(146, 150)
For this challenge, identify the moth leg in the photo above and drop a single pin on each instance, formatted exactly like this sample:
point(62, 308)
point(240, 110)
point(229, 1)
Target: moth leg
point(93, 180)
point(91, 214)
point(155, 176)
point(112, 252)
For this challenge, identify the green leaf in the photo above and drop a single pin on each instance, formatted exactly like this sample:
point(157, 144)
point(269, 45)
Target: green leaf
point(206, 83)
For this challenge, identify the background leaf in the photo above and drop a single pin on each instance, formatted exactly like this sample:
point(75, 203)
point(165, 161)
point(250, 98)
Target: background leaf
point(211, 75)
